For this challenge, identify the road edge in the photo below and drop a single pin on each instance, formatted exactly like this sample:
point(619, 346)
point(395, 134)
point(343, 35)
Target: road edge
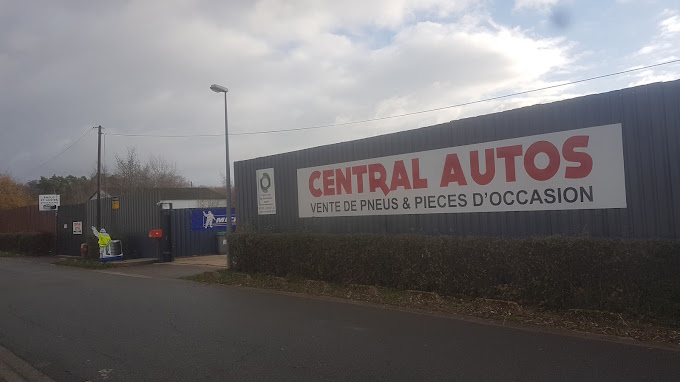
point(467, 318)
point(447, 315)
point(13, 368)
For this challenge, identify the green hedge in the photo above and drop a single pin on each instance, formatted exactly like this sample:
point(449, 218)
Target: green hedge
point(33, 243)
point(632, 276)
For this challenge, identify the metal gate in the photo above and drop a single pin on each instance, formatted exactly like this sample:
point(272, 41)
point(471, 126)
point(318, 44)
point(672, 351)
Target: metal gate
point(72, 229)
point(193, 241)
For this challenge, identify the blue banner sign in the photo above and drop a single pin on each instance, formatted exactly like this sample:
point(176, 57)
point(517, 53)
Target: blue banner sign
point(212, 218)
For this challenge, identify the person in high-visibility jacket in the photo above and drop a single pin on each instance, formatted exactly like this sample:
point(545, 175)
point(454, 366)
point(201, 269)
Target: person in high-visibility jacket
point(104, 241)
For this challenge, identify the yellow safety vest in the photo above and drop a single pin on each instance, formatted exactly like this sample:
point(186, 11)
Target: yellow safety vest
point(104, 241)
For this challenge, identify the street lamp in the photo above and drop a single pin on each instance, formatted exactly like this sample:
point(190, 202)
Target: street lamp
point(222, 89)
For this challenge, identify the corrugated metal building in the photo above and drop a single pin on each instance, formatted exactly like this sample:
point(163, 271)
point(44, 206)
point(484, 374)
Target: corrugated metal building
point(136, 215)
point(646, 118)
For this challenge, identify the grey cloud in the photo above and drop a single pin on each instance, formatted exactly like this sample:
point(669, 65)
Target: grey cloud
point(145, 67)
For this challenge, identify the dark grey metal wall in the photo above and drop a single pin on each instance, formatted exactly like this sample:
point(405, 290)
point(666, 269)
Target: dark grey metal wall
point(186, 242)
point(140, 213)
point(131, 223)
point(67, 242)
point(650, 118)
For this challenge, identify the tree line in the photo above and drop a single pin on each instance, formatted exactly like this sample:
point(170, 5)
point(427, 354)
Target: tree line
point(130, 174)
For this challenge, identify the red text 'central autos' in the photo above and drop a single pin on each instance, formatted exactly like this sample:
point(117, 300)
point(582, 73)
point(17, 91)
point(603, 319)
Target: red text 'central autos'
point(371, 177)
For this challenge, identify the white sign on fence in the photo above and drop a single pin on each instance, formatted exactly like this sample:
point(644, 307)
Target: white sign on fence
point(77, 228)
point(48, 202)
point(574, 169)
point(266, 192)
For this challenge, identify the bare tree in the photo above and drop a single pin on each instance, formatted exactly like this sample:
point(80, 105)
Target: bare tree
point(224, 186)
point(163, 173)
point(131, 174)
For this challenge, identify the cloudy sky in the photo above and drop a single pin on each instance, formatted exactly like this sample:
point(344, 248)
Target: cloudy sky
point(145, 67)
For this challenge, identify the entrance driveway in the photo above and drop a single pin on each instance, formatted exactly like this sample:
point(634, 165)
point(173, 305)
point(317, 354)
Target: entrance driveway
point(212, 260)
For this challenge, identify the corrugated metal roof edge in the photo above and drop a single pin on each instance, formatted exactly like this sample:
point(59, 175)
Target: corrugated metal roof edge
point(191, 193)
point(500, 113)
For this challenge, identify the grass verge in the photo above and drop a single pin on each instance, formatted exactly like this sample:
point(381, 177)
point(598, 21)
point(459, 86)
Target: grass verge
point(593, 321)
point(9, 254)
point(81, 263)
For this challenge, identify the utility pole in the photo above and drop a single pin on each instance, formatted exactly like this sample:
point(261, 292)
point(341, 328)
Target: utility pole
point(99, 178)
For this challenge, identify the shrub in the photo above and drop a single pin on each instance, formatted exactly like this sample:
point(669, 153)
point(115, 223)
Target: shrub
point(33, 243)
point(632, 276)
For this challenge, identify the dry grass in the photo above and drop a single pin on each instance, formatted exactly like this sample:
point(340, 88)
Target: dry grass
point(593, 321)
point(83, 263)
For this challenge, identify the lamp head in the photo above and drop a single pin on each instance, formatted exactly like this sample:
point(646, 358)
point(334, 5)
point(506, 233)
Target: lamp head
point(218, 88)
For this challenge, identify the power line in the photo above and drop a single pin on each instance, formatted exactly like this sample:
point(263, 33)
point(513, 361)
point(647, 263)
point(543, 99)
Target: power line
point(407, 114)
point(165, 136)
point(56, 156)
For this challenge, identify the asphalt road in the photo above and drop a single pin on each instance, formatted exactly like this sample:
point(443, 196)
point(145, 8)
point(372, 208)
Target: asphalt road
point(79, 325)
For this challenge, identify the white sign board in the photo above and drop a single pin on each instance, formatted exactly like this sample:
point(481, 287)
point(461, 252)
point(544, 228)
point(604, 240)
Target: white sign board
point(77, 228)
point(48, 202)
point(574, 169)
point(266, 192)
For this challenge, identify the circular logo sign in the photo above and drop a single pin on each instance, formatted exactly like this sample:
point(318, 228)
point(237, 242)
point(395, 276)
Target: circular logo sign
point(265, 182)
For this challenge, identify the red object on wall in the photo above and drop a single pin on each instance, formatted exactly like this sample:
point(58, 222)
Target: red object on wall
point(156, 233)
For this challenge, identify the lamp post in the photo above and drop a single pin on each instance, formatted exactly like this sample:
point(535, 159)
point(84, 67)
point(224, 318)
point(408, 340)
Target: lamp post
point(222, 89)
